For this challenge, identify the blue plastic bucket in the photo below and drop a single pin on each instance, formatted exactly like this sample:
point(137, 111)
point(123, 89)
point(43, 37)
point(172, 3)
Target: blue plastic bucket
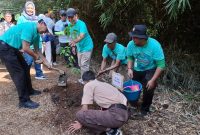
point(130, 94)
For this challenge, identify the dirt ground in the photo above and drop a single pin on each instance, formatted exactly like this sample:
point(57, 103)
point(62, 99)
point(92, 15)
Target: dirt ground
point(58, 105)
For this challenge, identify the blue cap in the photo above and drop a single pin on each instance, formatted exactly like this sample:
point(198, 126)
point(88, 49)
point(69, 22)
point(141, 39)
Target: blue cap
point(71, 12)
point(63, 13)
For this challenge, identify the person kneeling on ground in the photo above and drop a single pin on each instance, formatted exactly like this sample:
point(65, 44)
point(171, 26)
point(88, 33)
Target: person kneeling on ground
point(113, 103)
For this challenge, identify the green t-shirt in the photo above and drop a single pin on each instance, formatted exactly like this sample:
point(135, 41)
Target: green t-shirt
point(25, 31)
point(119, 53)
point(86, 44)
point(145, 57)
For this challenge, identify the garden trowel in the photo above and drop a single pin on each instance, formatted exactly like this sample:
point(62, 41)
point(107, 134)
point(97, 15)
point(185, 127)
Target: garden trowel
point(62, 81)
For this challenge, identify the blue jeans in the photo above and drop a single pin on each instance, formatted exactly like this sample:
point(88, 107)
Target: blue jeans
point(29, 61)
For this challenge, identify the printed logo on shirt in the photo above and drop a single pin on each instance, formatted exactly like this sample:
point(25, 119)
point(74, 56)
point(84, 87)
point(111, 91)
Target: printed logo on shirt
point(143, 61)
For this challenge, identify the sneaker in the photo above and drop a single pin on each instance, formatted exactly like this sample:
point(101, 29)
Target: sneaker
point(40, 77)
point(81, 81)
point(28, 104)
point(114, 131)
point(55, 63)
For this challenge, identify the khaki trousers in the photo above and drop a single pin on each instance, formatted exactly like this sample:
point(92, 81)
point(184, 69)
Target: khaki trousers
point(84, 61)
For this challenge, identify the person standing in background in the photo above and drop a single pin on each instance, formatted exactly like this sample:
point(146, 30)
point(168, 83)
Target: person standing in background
point(6, 24)
point(82, 40)
point(60, 26)
point(65, 38)
point(48, 38)
point(28, 15)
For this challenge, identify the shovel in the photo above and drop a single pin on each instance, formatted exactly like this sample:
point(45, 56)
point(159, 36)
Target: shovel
point(62, 81)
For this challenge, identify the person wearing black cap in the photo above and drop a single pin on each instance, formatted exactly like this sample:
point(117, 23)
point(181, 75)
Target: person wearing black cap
point(146, 62)
point(113, 50)
point(60, 26)
point(20, 37)
point(81, 39)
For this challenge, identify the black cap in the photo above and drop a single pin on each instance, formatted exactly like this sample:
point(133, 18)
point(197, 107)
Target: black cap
point(139, 31)
point(63, 13)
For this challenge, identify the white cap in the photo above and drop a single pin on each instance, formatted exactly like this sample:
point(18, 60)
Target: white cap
point(47, 21)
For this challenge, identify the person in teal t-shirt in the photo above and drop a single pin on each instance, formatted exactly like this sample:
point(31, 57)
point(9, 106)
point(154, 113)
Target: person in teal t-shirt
point(146, 62)
point(12, 43)
point(81, 39)
point(115, 51)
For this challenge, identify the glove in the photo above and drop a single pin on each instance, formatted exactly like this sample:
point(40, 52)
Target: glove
point(60, 33)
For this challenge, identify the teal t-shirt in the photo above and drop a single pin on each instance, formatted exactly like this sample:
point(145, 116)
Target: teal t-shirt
point(22, 19)
point(119, 53)
point(145, 57)
point(86, 44)
point(25, 31)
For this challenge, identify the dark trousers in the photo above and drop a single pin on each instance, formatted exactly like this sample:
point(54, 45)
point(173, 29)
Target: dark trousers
point(18, 70)
point(53, 51)
point(71, 54)
point(99, 121)
point(143, 77)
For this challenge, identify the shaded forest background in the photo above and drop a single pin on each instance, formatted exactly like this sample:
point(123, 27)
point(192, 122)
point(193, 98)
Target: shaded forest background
point(175, 23)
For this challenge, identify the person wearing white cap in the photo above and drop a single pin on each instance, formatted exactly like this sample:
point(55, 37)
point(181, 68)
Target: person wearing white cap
point(81, 39)
point(17, 38)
